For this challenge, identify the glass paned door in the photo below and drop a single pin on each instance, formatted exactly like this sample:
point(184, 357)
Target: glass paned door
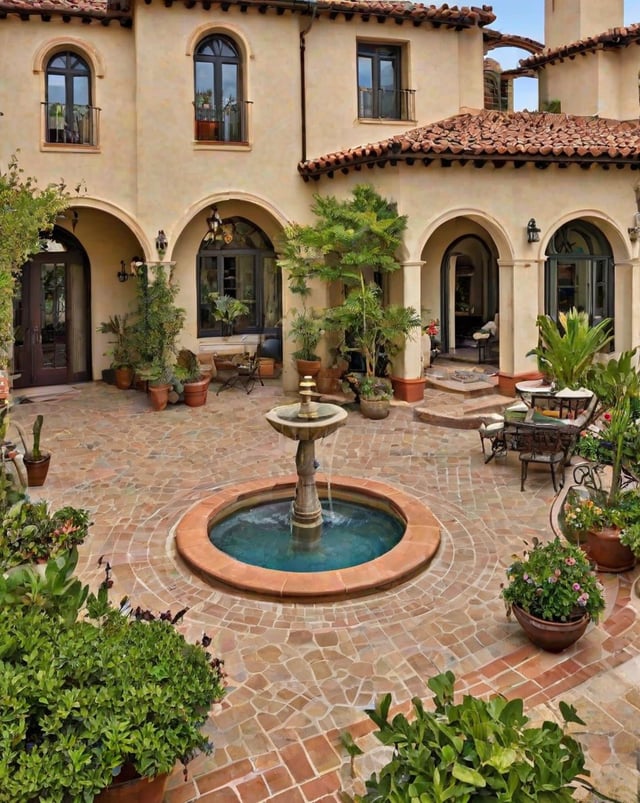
point(51, 332)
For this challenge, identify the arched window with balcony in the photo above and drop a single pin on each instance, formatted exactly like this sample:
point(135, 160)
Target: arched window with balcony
point(70, 116)
point(220, 109)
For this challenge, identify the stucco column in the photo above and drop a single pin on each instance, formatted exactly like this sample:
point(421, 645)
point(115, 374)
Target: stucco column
point(627, 304)
point(519, 308)
point(408, 364)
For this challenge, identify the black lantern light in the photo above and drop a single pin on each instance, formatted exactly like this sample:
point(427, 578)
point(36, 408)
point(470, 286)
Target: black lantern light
point(533, 232)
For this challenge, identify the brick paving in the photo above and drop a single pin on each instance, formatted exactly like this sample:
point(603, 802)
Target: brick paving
point(300, 674)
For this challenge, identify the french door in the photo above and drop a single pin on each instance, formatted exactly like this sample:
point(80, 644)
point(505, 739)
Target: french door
point(51, 332)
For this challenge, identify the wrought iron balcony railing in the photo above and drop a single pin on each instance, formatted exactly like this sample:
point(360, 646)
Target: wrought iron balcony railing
point(229, 124)
point(71, 123)
point(386, 104)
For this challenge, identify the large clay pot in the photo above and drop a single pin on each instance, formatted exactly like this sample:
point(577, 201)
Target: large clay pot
point(375, 408)
point(308, 367)
point(409, 390)
point(37, 470)
point(606, 551)
point(159, 396)
point(551, 636)
point(195, 393)
point(134, 790)
point(123, 378)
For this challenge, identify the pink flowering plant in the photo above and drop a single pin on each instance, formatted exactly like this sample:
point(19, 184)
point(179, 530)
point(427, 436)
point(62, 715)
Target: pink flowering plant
point(554, 581)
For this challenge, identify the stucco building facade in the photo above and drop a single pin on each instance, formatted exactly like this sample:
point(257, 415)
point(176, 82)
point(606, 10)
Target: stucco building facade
point(214, 123)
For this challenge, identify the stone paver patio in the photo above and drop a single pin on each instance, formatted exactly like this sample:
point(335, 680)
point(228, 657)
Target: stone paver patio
point(299, 674)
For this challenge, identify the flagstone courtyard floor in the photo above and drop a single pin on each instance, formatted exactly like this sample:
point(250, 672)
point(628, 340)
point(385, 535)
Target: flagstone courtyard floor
point(301, 673)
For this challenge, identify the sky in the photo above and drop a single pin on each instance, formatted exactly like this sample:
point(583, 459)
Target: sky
point(527, 19)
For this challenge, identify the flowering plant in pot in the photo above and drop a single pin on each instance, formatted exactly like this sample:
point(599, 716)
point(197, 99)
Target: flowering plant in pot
point(553, 583)
point(97, 693)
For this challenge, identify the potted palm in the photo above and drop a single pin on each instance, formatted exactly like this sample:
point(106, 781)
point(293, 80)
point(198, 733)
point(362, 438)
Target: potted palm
point(121, 351)
point(227, 310)
point(567, 349)
point(306, 329)
point(156, 331)
point(101, 701)
point(554, 593)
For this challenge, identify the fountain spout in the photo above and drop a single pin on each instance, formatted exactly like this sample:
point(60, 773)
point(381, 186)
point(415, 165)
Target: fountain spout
point(306, 422)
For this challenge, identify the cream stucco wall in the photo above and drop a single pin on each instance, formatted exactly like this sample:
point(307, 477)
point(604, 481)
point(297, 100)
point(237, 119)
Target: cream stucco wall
point(148, 173)
point(571, 20)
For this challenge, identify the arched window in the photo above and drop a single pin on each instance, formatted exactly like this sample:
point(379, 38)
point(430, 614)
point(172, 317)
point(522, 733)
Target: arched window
point(219, 106)
point(579, 272)
point(238, 260)
point(69, 112)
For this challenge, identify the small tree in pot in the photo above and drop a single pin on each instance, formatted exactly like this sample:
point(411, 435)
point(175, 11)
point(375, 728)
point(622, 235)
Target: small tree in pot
point(122, 348)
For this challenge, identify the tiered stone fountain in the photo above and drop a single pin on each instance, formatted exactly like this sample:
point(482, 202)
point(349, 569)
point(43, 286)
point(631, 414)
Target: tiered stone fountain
point(306, 422)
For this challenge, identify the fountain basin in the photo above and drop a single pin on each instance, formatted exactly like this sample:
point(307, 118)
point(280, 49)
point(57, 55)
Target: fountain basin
point(414, 551)
point(285, 421)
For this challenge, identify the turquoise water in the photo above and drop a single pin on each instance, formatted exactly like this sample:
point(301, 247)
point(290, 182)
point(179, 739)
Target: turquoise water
point(351, 534)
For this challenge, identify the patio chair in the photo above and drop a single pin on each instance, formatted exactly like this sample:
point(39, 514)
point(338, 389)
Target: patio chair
point(541, 443)
point(245, 374)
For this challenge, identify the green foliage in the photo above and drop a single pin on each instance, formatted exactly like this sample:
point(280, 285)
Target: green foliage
point(475, 750)
point(29, 531)
point(554, 581)
point(567, 349)
point(26, 211)
point(306, 328)
point(595, 511)
point(86, 691)
point(35, 451)
point(630, 536)
point(158, 324)
point(122, 350)
point(227, 308)
point(373, 328)
point(351, 239)
point(187, 367)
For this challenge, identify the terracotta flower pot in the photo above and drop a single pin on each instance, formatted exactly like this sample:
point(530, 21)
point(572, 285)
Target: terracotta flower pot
point(308, 367)
point(551, 636)
point(159, 396)
point(409, 390)
point(123, 378)
point(195, 393)
point(37, 470)
point(134, 790)
point(604, 548)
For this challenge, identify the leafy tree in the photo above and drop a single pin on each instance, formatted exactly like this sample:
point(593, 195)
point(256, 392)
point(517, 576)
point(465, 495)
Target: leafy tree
point(26, 211)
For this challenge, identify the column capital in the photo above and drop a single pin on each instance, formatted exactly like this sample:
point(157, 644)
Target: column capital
point(414, 264)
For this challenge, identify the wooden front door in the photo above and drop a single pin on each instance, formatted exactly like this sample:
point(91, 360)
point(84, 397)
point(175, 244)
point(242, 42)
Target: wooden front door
point(51, 321)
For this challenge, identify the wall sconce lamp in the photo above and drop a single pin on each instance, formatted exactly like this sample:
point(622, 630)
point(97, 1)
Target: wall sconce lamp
point(214, 224)
point(161, 243)
point(533, 232)
point(634, 233)
point(122, 274)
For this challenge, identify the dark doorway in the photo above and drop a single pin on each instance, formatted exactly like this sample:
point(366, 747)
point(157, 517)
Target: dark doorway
point(51, 317)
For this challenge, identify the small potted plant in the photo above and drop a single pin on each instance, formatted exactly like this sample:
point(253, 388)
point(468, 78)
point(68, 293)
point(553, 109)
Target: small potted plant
point(190, 380)
point(101, 701)
point(227, 310)
point(554, 593)
point(121, 352)
point(306, 329)
point(36, 462)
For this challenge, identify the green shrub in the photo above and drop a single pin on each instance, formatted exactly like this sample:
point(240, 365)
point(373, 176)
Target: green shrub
point(472, 751)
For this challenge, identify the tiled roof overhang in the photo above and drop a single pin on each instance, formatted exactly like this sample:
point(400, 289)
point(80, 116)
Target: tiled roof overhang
point(86, 11)
point(368, 10)
point(495, 138)
point(613, 39)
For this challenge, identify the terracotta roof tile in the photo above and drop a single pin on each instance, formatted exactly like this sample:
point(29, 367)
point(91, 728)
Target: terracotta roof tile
point(86, 9)
point(498, 136)
point(612, 39)
point(463, 16)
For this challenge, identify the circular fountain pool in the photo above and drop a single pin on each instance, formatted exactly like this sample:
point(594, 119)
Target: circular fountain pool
point(413, 552)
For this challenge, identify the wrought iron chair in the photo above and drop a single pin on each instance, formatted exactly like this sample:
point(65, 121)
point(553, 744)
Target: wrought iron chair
point(540, 443)
point(245, 374)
